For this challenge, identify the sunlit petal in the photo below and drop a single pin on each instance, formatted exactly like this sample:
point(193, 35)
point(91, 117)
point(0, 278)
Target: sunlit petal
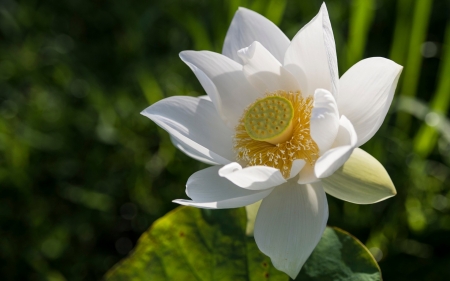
point(343, 147)
point(264, 71)
point(248, 26)
point(223, 81)
point(366, 92)
point(253, 177)
point(191, 122)
point(311, 56)
point(208, 190)
point(324, 119)
point(289, 224)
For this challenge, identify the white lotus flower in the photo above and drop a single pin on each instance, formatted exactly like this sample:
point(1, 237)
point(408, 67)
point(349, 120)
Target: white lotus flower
point(279, 125)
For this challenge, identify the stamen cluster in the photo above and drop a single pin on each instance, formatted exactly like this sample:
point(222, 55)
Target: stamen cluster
point(300, 145)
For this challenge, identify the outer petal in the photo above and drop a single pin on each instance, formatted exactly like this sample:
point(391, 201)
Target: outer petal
point(192, 152)
point(362, 180)
point(253, 177)
point(324, 123)
point(210, 191)
point(290, 223)
point(343, 147)
point(366, 92)
point(311, 56)
point(248, 26)
point(264, 71)
point(223, 81)
point(194, 123)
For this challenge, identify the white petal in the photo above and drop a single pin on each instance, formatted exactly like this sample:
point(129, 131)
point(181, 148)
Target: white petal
point(290, 223)
point(223, 81)
point(343, 147)
point(362, 180)
point(253, 177)
point(194, 123)
point(193, 153)
point(208, 190)
point(324, 123)
point(248, 26)
point(205, 97)
point(366, 92)
point(297, 166)
point(307, 175)
point(264, 71)
point(311, 56)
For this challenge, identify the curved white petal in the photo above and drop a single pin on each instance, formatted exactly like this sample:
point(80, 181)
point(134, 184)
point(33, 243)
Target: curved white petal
point(297, 166)
point(194, 123)
point(324, 123)
point(264, 71)
point(311, 56)
point(253, 177)
point(366, 92)
point(193, 153)
point(223, 81)
point(307, 175)
point(333, 159)
point(362, 180)
point(290, 223)
point(248, 26)
point(205, 97)
point(208, 190)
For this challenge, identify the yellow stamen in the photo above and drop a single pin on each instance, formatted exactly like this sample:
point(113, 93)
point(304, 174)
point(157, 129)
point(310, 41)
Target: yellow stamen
point(255, 144)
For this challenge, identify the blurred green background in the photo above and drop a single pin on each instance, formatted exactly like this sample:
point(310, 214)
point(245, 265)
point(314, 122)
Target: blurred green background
point(82, 174)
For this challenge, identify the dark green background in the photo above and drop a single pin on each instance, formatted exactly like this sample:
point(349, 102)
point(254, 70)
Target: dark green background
point(82, 174)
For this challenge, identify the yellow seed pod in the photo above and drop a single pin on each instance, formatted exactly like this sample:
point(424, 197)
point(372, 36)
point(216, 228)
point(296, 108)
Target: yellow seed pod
point(270, 120)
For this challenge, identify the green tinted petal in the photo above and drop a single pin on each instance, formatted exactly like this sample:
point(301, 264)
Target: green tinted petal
point(362, 180)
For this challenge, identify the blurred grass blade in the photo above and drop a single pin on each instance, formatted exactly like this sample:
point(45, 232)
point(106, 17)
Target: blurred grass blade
point(426, 138)
point(149, 87)
point(275, 10)
point(233, 6)
point(361, 16)
point(195, 27)
point(413, 63)
point(401, 32)
point(421, 111)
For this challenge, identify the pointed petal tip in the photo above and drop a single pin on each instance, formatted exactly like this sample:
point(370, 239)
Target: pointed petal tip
point(289, 224)
point(242, 9)
point(182, 54)
point(177, 201)
point(361, 180)
point(292, 272)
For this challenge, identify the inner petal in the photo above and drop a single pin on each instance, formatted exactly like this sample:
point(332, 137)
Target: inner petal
point(257, 140)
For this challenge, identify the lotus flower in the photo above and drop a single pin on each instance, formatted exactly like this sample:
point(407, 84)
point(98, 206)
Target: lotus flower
point(278, 125)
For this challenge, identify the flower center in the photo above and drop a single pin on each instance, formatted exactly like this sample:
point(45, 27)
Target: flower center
point(274, 131)
point(270, 119)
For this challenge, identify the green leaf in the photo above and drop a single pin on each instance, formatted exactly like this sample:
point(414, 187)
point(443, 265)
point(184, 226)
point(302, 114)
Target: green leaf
point(193, 244)
point(340, 256)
